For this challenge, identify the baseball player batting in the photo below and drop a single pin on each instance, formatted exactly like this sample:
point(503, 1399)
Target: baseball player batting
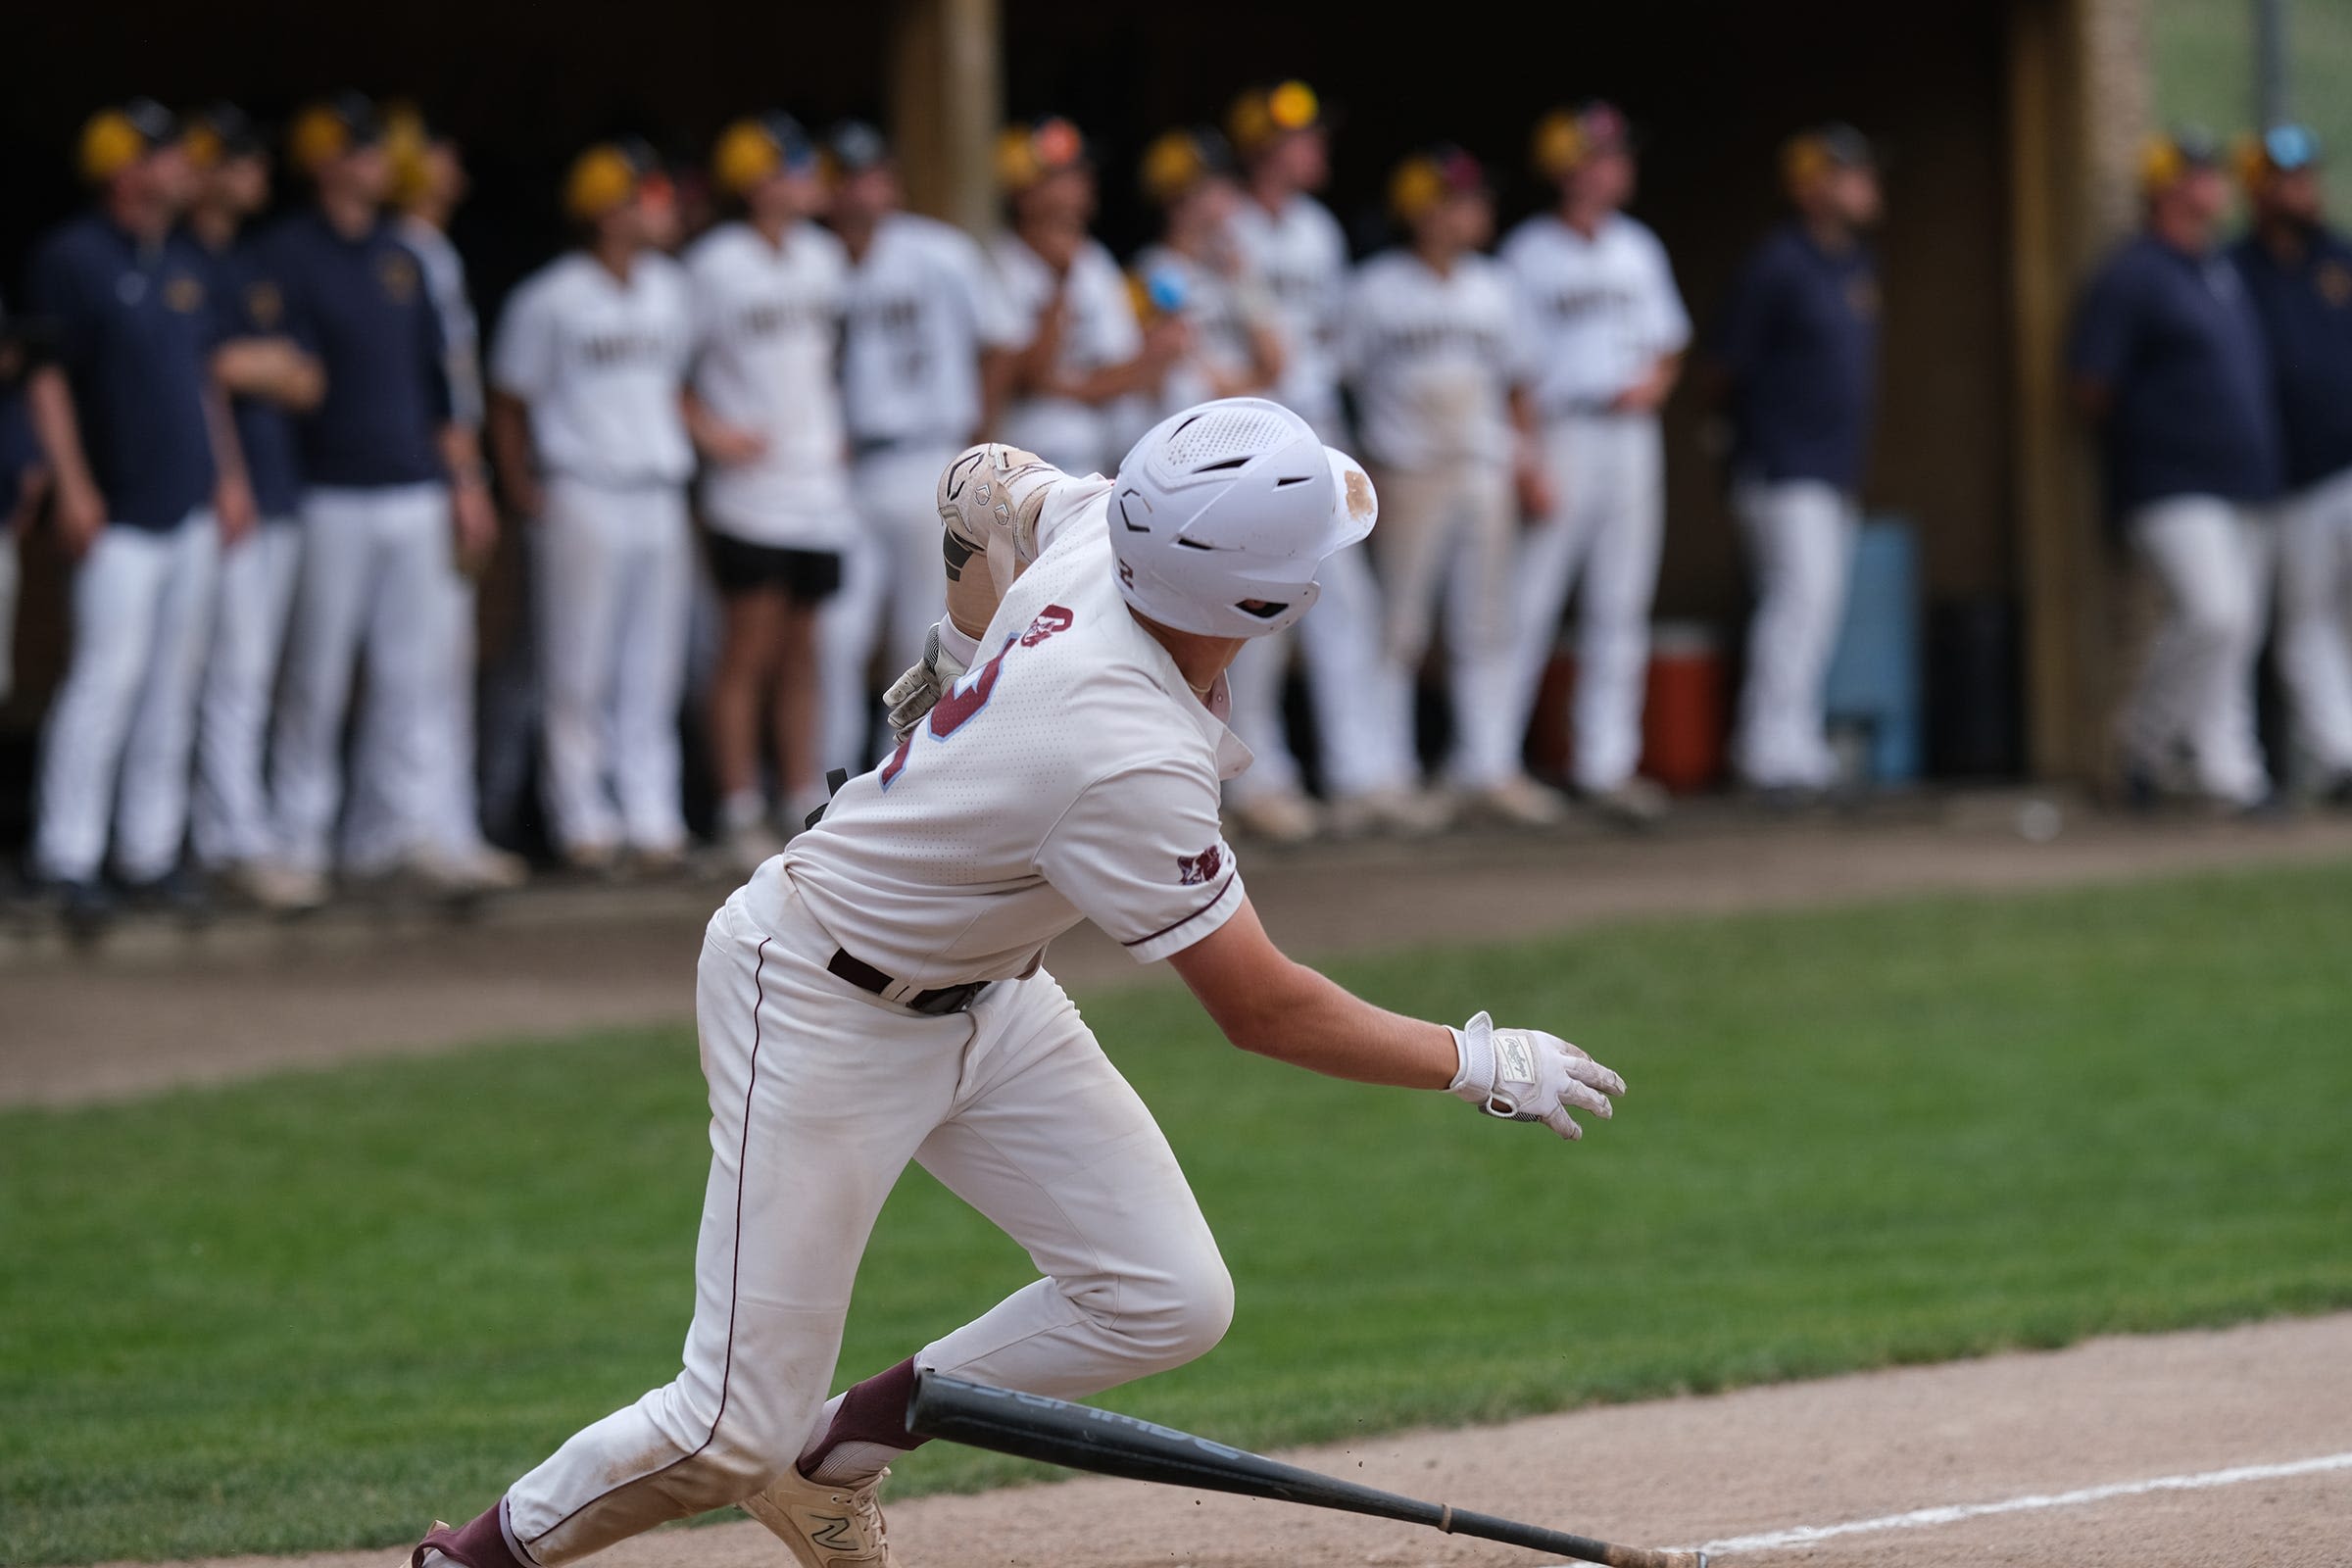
point(876, 994)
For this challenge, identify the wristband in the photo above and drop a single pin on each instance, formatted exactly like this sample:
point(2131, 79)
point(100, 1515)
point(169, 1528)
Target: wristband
point(953, 642)
point(1474, 1043)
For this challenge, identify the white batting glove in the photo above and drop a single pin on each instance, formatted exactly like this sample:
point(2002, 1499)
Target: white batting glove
point(989, 500)
point(913, 695)
point(1528, 1075)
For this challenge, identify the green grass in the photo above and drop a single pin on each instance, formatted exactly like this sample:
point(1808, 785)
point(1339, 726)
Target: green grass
point(316, 1310)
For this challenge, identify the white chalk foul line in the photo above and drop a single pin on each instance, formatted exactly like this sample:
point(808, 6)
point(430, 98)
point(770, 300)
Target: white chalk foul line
point(1918, 1518)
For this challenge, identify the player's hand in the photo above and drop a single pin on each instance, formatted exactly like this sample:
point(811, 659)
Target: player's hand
point(475, 521)
point(1535, 495)
point(233, 508)
point(913, 695)
point(989, 500)
point(1528, 1075)
point(80, 513)
point(731, 445)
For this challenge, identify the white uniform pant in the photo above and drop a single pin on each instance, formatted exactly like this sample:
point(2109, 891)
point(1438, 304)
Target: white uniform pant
point(615, 570)
point(894, 585)
point(1338, 641)
point(2190, 718)
point(1602, 540)
point(1450, 532)
point(376, 576)
point(230, 819)
point(820, 1096)
point(375, 837)
point(9, 574)
point(1800, 544)
point(2315, 620)
point(123, 722)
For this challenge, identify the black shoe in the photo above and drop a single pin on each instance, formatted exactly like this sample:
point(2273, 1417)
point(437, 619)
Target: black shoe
point(180, 892)
point(86, 908)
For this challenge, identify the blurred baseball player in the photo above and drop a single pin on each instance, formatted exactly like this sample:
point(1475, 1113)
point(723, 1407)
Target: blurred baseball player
point(1437, 346)
point(2168, 358)
point(1085, 360)
point(767, 412)
point(27, 374)
point(2298, 274)
point(1612, 334)
point(149, 486)
point(1292, 246)
point(429, 184)
point(922, 313)
point(1797, 352)
point(394, 482)
point(874, 996)
point(272, 380)
point(1193, 274)
point(587, 378)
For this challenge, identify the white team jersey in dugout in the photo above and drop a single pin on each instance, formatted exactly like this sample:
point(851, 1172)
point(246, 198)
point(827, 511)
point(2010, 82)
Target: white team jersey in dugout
point(1433, 359)
point(1098, 329)
point(922, 304)
point(1221, 310)
point(1606, 308)
point(1070, 776)
point(600, 361)
point(1299, 258)
point(766, 333)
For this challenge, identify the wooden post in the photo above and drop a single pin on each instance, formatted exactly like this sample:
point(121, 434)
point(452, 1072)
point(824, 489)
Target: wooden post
point(2077, 101)
point(947, 100)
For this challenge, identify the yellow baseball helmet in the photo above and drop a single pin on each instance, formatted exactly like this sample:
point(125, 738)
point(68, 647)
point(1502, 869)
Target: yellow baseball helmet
point(758, 147)
point(1262, 115)
point(327, 129)
point(2165, 157)
point(1178, 161)
point(1566, 137)
point(113, 139)
point(2279, 150)
point(1427, 178)
point(1027, 154)
point(606, 175)
point(1809, 154)
point(221, 132)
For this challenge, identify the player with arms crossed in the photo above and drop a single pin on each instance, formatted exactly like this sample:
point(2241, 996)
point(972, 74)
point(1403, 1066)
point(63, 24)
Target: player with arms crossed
point(874, 995)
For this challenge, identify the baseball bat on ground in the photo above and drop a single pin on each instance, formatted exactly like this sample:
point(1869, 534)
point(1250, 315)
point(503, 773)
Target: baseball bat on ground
point(1080, 1436)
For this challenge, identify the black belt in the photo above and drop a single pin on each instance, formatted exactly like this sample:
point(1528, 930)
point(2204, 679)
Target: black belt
point(934, 1003)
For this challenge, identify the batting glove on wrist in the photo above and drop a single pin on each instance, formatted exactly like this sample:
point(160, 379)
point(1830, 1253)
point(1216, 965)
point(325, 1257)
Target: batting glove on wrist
point(913, 695)
point(1528, 1075)
point(989, 500)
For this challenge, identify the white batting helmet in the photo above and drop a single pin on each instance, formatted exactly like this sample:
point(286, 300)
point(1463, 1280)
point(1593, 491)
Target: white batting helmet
point(1224, 513)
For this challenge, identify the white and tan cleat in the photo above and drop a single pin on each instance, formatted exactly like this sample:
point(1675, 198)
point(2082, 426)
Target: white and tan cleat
point(1285, 817)
point(825, 1527)
point(1519, 802)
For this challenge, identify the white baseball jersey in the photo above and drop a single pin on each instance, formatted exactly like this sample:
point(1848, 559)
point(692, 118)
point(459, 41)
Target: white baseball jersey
point(600, 362)
point(1222, 312)
point(1433, 359)
point(1299, 258)
point(1098, 329)
point(460, 337)
point(767, 322)
point(1070, 776)
point(1606, 309)
point(922, 305)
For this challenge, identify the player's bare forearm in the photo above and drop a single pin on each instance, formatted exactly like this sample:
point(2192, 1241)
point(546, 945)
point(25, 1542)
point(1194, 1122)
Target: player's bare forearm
point(1272, 1007)
point(56, 426)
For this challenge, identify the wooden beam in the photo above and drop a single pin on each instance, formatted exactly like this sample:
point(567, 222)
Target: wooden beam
point(947, 100)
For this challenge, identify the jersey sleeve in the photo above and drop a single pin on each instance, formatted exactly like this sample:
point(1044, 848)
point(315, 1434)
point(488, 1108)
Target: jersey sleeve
point(2100, 345)
point(523, 355)
point(1140, 853)
point(1074, 500)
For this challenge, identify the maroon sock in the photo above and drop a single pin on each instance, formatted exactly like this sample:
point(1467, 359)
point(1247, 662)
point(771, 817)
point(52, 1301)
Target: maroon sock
point(875, 1412)
point(479, 1545)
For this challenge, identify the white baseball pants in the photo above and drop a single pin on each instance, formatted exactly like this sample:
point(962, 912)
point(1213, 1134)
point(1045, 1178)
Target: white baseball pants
point(1602, 540)
point(374, 575)
point(1448, 533)
point(9, 577)
point(1338, 641)
point(820, 1096)
point(230, 821)
point(1800, 544)
point(2315, 620)
point(613, 574)
point(2191, 716)
point(893, 587)
point(123, 723)
point(375, 838)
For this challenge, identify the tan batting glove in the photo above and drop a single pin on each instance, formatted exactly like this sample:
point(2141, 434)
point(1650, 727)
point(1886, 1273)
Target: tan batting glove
point(1528, 1075)
point(989, 501)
